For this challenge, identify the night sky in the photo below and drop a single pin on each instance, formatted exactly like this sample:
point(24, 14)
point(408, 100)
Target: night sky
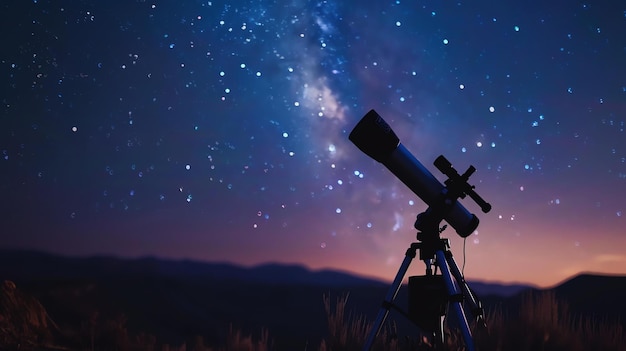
point(218, 130)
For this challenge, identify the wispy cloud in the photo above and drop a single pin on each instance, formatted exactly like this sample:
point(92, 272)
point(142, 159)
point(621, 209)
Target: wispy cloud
point(610, 258)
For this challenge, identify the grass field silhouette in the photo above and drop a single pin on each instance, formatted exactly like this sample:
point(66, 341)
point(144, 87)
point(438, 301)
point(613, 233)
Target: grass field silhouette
point(542, 323)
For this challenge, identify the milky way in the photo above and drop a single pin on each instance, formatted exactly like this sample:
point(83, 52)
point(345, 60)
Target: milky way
point(218, 131)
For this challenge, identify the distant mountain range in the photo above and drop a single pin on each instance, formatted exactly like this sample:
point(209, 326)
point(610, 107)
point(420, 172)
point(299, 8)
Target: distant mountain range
point(32, 265)
point(37, 265)
point(177, 300)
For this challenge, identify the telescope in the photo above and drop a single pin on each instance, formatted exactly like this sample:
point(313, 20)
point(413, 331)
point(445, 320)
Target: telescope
point(375, 138)
point(432, 294)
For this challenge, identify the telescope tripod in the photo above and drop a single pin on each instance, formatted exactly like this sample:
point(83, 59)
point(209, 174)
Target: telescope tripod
point(430, 295)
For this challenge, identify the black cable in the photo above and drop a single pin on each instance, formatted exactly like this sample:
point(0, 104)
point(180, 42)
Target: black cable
point(463, 268)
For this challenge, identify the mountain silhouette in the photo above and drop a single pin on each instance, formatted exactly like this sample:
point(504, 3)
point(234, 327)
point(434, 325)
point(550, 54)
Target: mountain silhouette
point(31, 265)
point(594, 295)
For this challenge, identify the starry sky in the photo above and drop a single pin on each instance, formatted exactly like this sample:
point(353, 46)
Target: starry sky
point(218, 130)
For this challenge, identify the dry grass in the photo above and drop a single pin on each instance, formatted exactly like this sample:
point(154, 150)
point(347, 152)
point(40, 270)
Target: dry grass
point(237, 341)
point(546, 323)
point(349, 332)
point(543, 323)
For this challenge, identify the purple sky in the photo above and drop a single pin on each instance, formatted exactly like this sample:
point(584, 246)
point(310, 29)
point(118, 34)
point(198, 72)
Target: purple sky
point(218, 131)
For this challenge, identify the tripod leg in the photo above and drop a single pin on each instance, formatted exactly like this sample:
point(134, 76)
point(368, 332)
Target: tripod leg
point(476, 308)
point(391, 296)
point(456, 297)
